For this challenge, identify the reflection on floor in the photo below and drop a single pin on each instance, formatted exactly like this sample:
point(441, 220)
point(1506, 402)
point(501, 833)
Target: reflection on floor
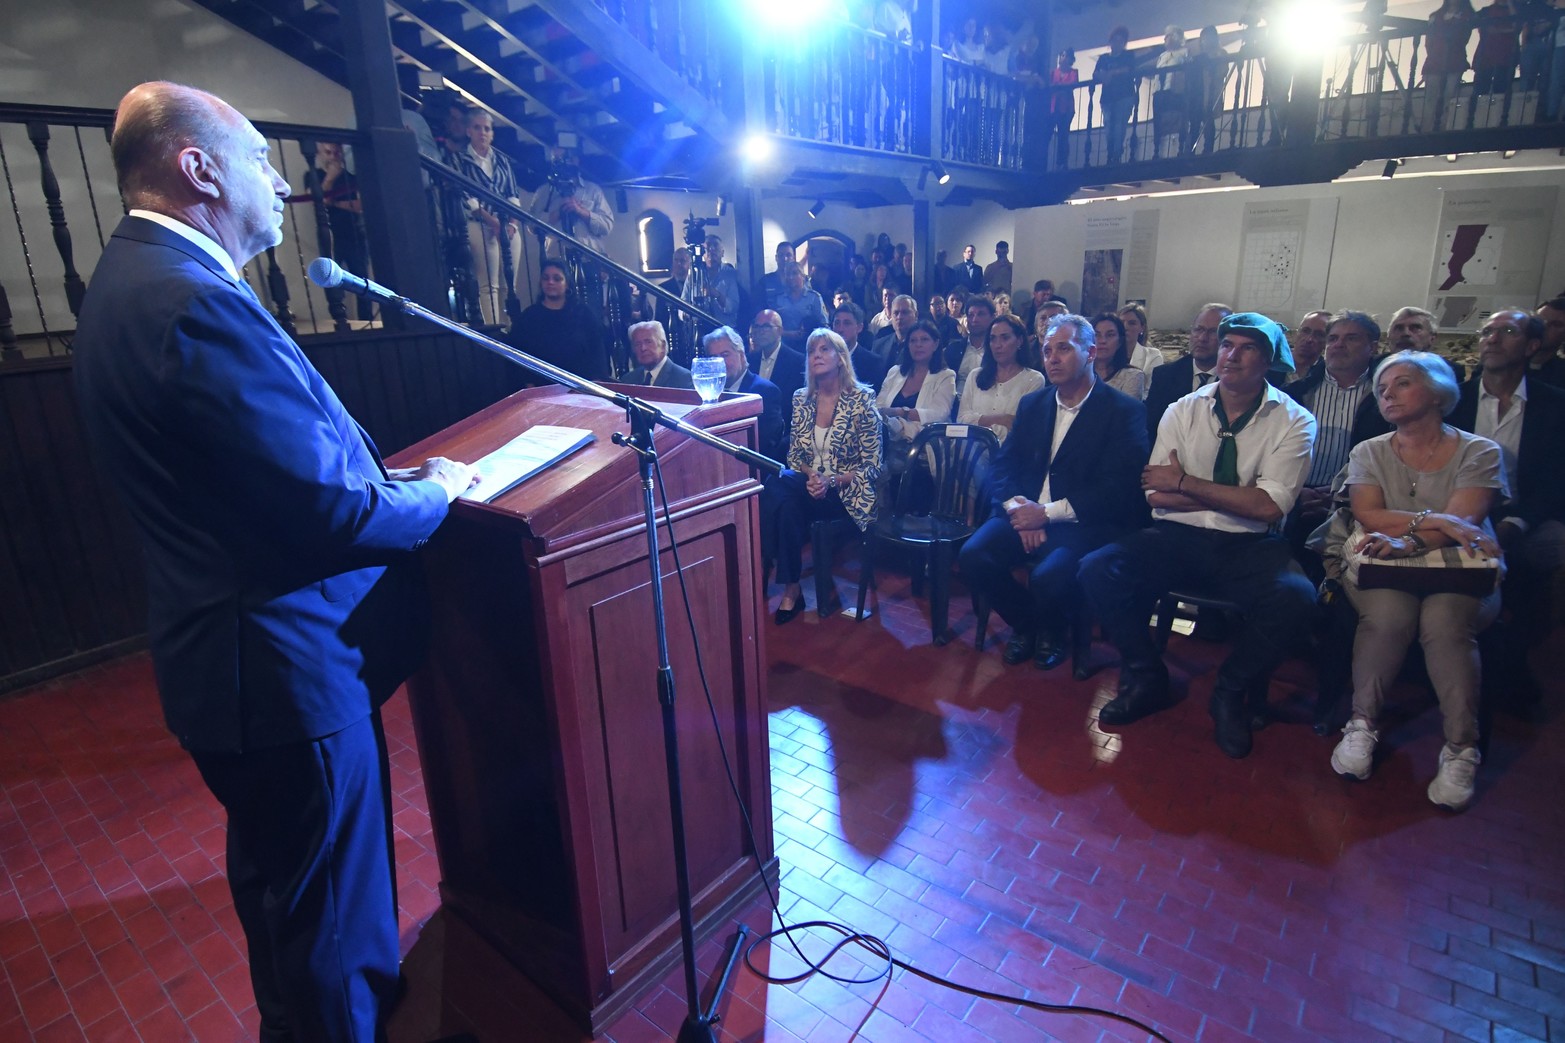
point(970, 814)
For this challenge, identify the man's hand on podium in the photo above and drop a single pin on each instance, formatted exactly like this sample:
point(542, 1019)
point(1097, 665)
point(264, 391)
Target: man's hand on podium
point(453, 476)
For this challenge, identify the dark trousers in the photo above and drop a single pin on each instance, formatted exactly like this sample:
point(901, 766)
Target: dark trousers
point(1046, 603)
point(311, 871)
point(1255, 570)
point(794, 510)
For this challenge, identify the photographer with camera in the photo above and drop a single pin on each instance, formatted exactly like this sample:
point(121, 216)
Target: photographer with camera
point(572, 204)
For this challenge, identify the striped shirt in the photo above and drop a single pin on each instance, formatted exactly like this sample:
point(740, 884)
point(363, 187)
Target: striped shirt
point(1334, 407)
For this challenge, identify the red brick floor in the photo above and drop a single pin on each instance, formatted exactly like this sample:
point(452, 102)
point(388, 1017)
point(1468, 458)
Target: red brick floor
point(970, 814)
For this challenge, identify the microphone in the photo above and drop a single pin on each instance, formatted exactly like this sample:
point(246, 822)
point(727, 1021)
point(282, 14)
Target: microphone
point(327, 273)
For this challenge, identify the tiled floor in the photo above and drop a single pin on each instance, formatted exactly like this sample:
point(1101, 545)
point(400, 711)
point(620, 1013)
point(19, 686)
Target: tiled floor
point(970, 814)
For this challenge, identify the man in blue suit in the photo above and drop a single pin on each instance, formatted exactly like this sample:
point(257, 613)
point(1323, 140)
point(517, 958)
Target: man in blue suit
point(285, 601)
point(1066, 482)
point(772, 426)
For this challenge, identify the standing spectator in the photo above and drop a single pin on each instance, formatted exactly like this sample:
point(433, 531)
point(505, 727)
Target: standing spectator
point(1205, 76)
point(1537, 47)
point(574, 205)
point(1445, 60)
point(945, 278)
point(970, 45)
point(997, 277)
point(801, 309)
point(483, 163)
point(997, 51)
point(344, 210)
point(968, 274)
point(1170, 101)
point(1062, 104)
point(1494, 62)
point(721, 283)
point(1116, 76)
point(560, 329)
point(771, 284)
point(679, 270)
point(891, 18)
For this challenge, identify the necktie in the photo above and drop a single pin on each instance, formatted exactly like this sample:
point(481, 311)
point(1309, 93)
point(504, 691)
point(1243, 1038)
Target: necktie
point(1204, 378)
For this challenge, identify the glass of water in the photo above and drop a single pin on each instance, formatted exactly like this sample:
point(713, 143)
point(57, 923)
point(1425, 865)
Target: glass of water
point(711, 376)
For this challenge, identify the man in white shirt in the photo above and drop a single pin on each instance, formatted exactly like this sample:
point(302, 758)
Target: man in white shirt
point(1226, 468)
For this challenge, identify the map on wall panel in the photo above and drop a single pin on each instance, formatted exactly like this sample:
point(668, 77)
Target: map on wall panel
point(1488, 252)
point(1285, 256)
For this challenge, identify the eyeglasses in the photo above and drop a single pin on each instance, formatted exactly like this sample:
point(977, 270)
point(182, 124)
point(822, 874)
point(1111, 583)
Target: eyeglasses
point(764, 326)
point(1504, 331)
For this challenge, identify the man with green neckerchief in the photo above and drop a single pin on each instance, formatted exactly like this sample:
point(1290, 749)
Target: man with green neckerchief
point(1227, 465)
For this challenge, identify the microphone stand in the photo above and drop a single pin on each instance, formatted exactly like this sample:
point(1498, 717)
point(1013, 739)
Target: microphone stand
point(644, 419)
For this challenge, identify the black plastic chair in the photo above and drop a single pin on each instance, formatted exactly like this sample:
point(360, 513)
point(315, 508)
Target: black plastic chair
point(1168, 608)
point(940, 501)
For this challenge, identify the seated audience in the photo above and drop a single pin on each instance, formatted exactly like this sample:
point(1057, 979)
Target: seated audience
point(651, 365)
point(1309, 343)
point(1526, 418)
point(770, 358)
point(1112, 361)
point(559, 329)
point(1002, 303)
point(1188, 373)
point(726, 344)
point(848, 322)
point(1411, 329)
point(834, 455)
point(1063, 485)
point(917, 390)
point(941, 317)
point(890, 341)
point(1422, 486)
point(963, 356)
point(1215, 532)
point(1142, 355)
point(1340, 398)
point(1549, 363)
point(800, 308)
point(1007, 372)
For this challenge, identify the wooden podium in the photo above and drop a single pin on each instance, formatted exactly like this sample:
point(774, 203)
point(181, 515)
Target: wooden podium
point(537, 716)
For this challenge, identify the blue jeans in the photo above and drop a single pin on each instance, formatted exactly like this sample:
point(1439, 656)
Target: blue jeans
point(1116, 114)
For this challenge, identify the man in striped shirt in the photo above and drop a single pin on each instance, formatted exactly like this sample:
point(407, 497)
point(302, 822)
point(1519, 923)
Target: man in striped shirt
point(1335, 397)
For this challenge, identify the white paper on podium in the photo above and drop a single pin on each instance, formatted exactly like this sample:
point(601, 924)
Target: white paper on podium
point(522, 457)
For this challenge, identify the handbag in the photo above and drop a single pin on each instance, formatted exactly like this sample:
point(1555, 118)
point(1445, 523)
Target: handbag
point(1439, 570)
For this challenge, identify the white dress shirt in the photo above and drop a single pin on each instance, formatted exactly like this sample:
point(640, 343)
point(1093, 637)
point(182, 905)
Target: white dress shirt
point(207, 244)
point(1274, 452)
point(1507, 429)
point(1064, 417)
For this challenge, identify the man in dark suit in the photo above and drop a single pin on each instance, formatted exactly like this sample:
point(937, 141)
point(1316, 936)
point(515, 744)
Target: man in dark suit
point(1172, 381)
point(1066, 482)
point(653, 367)
point(1508, 404)
point(848, 322)
point(770, 358)
point(969, 274)
point(726, 344)
point(285, 601)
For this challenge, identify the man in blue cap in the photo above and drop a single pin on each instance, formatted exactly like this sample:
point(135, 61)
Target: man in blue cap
point(1227, 465)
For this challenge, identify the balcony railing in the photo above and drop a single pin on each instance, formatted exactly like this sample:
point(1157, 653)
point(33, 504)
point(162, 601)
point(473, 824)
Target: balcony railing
point(846, 86)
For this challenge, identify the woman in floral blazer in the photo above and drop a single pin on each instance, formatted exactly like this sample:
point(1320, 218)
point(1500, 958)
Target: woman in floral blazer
point(833, 460)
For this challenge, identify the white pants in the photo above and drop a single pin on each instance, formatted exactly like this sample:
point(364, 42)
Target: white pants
point(489, 272)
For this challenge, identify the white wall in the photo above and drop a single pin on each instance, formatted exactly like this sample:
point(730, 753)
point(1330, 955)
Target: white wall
point(1382, 255)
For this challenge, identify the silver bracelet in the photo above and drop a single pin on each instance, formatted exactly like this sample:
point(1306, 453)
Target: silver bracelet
point(1417, 520)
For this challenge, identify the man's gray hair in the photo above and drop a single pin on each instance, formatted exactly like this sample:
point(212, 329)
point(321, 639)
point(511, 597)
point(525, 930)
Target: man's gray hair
point(1435, 372)
point(1227, 310)
point(1412, 309)
point(905, 297)
point(727, 333)
point(1084, 334)
point(650, 324)
point(1363, 320)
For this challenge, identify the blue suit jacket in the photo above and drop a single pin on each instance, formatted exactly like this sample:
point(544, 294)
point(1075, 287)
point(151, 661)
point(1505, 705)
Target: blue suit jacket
point(284, 600)
point(771, 432)
point(1098, 467)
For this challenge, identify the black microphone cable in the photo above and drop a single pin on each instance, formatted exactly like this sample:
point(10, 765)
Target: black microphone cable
point(877, 949)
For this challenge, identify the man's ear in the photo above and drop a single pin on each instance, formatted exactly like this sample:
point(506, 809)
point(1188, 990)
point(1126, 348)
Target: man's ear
point(200, 172)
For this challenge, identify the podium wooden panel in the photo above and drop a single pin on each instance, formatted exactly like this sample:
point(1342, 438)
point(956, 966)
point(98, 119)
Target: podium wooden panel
point(537, 716)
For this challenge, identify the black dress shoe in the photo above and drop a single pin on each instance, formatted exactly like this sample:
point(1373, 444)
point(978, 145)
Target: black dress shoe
point(1083, 672)
point(1019, 648)
point(1049, 655)
point(1231, 724)
point(1138, 697)
point(786, 615)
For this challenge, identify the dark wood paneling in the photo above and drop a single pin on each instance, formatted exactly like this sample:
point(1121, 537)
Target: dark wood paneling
point(71, 581)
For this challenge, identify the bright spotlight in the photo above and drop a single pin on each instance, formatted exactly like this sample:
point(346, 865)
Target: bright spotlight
point(942, 175)
point(797, 16)
point(1309, 26)
point(758, 148)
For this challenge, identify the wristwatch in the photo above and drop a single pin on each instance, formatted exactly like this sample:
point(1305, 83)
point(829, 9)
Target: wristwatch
point(834, 483)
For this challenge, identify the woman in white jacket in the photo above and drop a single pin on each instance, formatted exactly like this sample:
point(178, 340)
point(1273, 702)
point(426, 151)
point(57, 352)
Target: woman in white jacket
point(918, 390)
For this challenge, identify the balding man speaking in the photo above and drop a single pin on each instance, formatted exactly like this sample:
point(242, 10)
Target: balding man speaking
point(285, 601)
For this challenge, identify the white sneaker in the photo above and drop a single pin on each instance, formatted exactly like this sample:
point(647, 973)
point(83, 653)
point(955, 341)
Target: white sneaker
point(1356, 751)
point(1453, 785)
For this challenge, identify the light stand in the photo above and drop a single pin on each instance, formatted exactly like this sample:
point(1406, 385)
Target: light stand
point(644, 419)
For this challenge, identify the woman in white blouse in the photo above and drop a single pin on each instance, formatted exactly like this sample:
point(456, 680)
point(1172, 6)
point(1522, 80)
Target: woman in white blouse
point(1112, 360)
point(1008, 372)
point(1143, 356)
point(918, 390)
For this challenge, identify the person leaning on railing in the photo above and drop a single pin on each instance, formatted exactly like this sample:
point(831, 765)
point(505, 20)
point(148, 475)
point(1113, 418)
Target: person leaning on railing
point(488, 166)
point(1116, 76)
